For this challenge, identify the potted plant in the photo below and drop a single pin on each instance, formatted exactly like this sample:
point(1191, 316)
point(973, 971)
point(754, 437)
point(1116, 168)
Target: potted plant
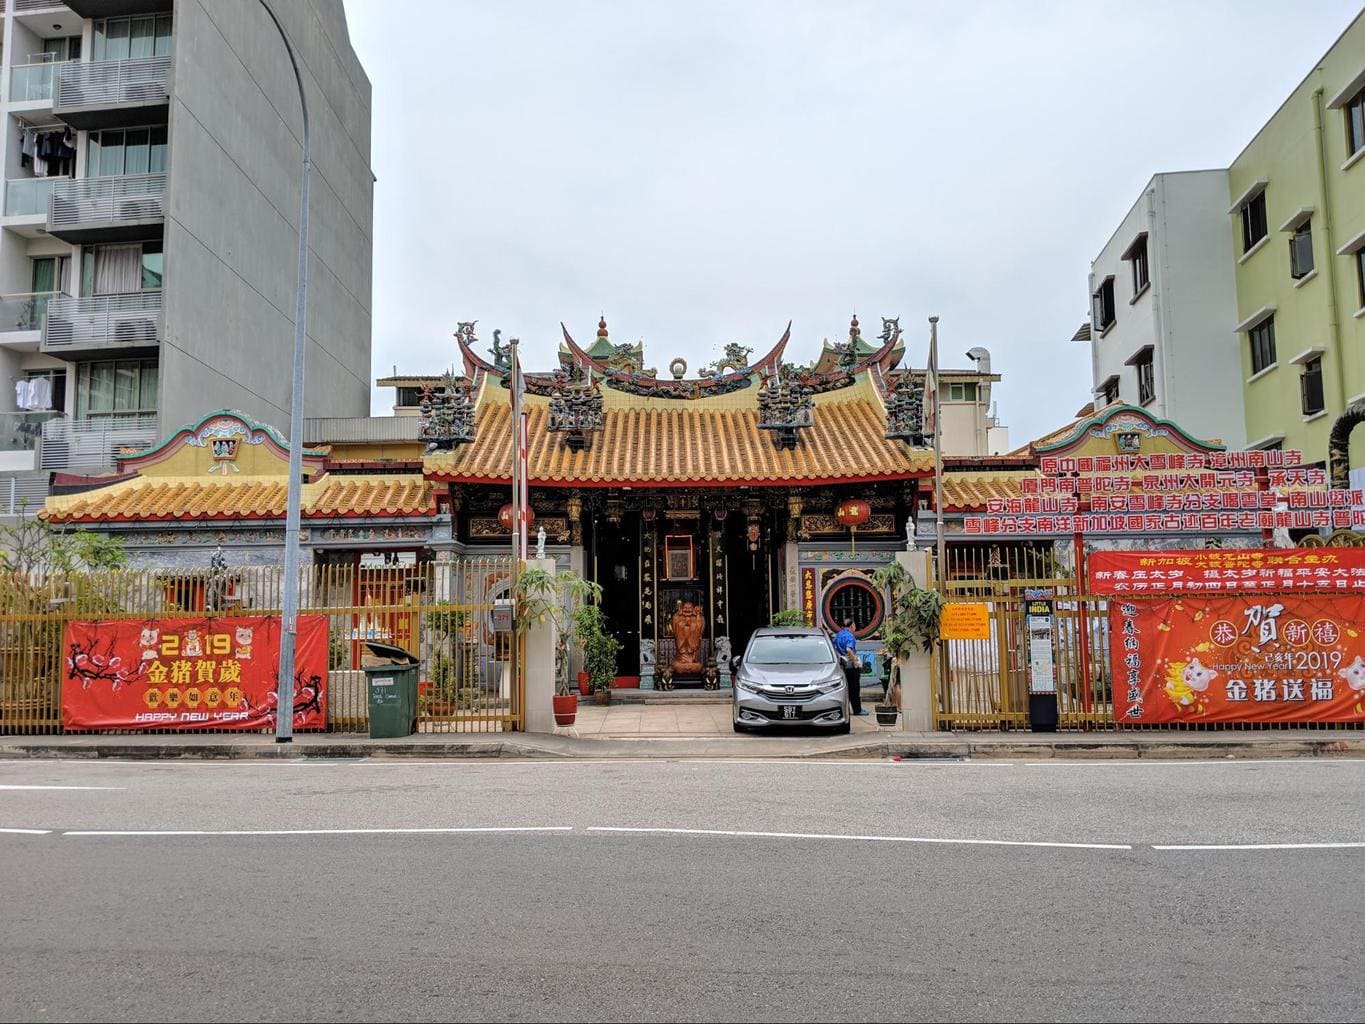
point(789, 617)
point(555, 597)
point(911, 624)
point(599, 650)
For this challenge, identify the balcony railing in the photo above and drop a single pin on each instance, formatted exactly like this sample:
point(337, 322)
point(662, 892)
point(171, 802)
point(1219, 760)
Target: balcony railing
point(24, 312)
point(120, 200)
point(21, 431)
point(22, 493)
point(102, 321)
point(29, 82)
point(27, 197)
point(138, 81)
point(92, 443)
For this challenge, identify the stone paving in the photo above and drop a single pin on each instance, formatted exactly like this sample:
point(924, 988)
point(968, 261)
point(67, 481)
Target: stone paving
point(693, 718)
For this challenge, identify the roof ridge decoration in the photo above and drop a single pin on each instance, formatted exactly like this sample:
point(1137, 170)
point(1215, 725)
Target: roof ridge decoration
point(786, 406)
point(905, 411)
point(218, 430)
point(1117, 420)
point(575, 407)
point(447, 413)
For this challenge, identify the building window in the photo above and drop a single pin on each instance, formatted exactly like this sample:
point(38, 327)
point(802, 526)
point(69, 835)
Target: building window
point(1103, 301)
point(124, 38)
point(1355, 123)
point(116, 387)
point(1137, 256)
point(1262, 345)
point(1109, 391)
point(1301, 251)
point(121, 269)
point(127, 151)
point(965, 392)
point(854, 599)
point(409, 396)
point(1253, 220)
point(1310, 387)
point(1146, 376)
point(1360, 274)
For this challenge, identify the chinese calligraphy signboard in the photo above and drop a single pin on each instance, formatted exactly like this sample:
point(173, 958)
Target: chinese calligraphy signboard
point(1197, 492)
point(1249, 658)
point(808, 595)
point(1232, 571)
point(190, 673)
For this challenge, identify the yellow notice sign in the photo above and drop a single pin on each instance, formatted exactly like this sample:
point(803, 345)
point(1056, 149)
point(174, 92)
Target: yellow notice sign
point(965, 622)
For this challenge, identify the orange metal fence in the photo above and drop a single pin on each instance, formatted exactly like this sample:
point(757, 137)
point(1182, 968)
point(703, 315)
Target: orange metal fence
point(441, 612)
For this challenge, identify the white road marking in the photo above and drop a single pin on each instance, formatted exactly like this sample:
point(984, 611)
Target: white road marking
point(312, 831)
point(1265, 846)
point(1152, 763)
point(25, 831)
point(116, 788)
point(877, 839)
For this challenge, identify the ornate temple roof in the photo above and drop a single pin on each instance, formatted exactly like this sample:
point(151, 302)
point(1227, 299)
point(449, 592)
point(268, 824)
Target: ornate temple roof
point(661, 443)
point(970, 491)
point(174, 498)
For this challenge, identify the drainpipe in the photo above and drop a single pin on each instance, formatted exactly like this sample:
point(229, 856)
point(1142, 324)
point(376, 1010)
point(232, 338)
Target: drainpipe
point(1156, 261)
point(1334, 326)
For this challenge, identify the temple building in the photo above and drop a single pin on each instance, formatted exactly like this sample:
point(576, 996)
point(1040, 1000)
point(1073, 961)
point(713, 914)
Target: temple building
point(750, 486)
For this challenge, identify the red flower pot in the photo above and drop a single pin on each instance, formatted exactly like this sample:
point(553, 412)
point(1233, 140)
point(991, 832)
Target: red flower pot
point(566, 709)
point(584, 684)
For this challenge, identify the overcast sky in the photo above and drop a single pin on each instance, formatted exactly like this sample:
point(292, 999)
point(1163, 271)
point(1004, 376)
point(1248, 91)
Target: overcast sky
point(703, 172)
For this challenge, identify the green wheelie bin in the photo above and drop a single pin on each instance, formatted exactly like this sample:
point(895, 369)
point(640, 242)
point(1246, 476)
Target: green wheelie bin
point(391, 678)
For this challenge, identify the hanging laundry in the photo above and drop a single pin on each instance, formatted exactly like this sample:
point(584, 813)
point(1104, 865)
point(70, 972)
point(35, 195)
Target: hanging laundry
point(21, 394)
point(39, 394)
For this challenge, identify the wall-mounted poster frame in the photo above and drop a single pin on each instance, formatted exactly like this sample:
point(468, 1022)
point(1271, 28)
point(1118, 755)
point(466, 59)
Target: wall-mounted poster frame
point(679, 557)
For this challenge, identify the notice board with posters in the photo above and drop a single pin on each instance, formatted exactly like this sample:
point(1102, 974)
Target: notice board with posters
point(213, 672)
point(1249, 658)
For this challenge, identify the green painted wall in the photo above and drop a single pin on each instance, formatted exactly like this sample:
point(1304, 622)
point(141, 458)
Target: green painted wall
point(1285, 153)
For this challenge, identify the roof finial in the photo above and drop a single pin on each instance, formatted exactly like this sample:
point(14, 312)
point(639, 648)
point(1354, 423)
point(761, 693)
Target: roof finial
point(602, 326)
point(855, 333)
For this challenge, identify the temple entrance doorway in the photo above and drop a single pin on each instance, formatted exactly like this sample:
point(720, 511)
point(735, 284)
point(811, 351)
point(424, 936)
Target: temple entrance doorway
point(618, 573)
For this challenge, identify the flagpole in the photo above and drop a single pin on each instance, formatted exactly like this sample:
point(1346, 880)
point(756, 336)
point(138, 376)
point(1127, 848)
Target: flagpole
point(942, 568)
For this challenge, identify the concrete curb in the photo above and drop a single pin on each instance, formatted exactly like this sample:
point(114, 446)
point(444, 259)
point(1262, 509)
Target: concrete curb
point(1160, 746)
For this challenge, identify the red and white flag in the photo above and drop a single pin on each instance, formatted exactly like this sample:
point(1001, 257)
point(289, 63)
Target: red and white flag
point(521, 503)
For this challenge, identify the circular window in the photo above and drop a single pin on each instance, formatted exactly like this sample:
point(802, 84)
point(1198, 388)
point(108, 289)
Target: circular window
point(856, 599)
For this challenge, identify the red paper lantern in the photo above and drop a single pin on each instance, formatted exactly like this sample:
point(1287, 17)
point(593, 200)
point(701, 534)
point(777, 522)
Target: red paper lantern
point(852, 514)
point(505, 516)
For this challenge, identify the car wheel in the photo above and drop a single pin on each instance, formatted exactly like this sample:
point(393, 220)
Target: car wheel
point(843, 729)
point(741, 728)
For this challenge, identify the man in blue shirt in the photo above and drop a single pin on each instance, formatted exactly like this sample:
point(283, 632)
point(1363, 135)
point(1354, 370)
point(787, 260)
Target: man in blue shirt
point(846, 644)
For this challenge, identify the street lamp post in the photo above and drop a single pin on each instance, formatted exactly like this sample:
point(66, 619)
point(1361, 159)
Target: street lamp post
point(284, 707)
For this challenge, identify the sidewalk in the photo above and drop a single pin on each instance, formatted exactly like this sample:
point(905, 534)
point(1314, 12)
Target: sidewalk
point(701, 730)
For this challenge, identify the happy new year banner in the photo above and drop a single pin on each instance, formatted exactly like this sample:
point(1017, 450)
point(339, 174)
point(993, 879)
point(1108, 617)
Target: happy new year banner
point(198, 673)
point(1289, 658)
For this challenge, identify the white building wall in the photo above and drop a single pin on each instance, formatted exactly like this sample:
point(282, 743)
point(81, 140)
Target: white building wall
point(1184, 314)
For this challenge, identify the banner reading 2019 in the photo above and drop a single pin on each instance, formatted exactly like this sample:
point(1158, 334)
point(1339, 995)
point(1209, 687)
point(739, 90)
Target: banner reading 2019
point(201, 673)
point(1262, 658)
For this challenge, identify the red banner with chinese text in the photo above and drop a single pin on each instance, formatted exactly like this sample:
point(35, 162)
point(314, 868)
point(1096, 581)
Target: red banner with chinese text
point(1290, 658)
point(211, 672)
point(1238, 570)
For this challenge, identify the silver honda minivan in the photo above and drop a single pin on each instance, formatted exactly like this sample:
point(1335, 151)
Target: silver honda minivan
point(790, 676)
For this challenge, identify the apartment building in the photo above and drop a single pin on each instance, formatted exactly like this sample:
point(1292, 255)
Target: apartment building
point(1296, 208)
point(1163, 301)
point(148, 234)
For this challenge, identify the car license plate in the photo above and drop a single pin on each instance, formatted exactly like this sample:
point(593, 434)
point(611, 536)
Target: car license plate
point(788, 710)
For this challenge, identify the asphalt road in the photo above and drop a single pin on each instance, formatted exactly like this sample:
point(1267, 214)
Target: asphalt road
point(682, 891)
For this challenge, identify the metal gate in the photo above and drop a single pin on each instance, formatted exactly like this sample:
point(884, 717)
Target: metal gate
point(470, 678)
